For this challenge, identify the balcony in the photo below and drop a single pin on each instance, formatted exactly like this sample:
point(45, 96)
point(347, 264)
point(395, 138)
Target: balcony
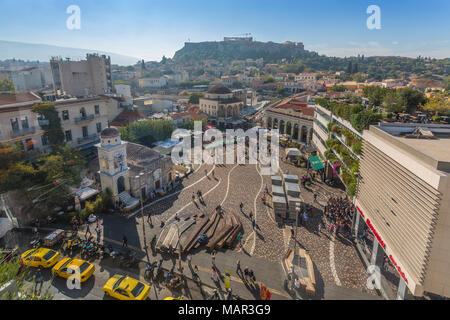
point(43, 122)
point(87, 139)
point(23, 132)
point(85, 118)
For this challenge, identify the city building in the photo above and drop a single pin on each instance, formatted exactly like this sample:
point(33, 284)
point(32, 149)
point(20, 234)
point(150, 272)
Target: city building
point(82, 120)
point(131, 170)
point(292, 117)
point(123, 90)
point(27, 79)
point(322, 132)
point(153, 82)
point(18, 123)
point(305, 76)
point(403, 197)
point(82, 78)
point(221, 106)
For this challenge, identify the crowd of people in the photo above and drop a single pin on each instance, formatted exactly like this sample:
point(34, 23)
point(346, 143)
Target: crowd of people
point(339, 212)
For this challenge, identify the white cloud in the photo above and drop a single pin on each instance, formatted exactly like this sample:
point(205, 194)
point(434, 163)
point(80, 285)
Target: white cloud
point(395, 43)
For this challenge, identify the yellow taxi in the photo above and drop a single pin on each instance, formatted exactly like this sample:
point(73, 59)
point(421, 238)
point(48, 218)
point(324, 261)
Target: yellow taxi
point(125, 288)
point(172, 298)
point(40, 257)
point(62, 268)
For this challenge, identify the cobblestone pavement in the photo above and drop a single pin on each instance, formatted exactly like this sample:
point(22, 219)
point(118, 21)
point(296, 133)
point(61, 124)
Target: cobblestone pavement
point(349, 270)
point(234, 184)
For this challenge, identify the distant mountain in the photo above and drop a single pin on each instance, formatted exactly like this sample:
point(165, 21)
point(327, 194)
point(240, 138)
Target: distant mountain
point(239, 50)
point(43, 52)
point(299, 59)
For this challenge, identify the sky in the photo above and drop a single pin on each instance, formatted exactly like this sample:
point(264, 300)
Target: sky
point(149, 29)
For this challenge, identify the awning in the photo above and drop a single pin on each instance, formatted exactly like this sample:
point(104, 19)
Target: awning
point(86, 193)
point(316, 162)
point(293, 152)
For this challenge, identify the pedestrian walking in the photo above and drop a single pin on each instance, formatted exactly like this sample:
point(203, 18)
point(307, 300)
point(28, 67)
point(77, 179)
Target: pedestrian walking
point(315, 197)
point(214, 275)
point(241, 206)
point(292, 232)
point(39, 280)
point(88, 230)
point(124, 241)
point(319, 227)
point(251, 215)
point(251, 276)
point(253, 224)
point(331, 228)
point(99, 232)
point(266, 189)
point(238, 268)
point(213, 257)
point(189, 258)
point(239, 236)
point(246, 274)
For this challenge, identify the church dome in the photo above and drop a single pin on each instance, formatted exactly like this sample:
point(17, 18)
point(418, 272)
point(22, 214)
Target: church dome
point(110, 133)
point(219, 89)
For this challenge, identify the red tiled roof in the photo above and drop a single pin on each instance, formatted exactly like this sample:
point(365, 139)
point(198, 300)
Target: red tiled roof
point(128, 116)
point(12, 98)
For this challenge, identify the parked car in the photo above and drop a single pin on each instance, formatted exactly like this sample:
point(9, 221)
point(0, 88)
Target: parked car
point(40, 257)
point(125, 288)
point(85, 268)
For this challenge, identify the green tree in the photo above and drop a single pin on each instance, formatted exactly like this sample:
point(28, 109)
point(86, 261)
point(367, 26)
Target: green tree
point(7, 85)
point(362, 120)
point(438, 103)
point(194, 97)
point(20, 290)
point(147, 132)
point(52, 127)
point(269, 79)
point(447, 84)
point(411, 99)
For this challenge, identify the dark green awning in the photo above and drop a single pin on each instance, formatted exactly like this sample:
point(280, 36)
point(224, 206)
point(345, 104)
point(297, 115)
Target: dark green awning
point(316, 163)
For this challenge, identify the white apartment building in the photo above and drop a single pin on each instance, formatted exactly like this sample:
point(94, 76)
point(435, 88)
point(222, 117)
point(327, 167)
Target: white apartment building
point(82, 120)
point(404, 198)
point(305, 76)
point(153, 82)
point(123, 90)
point(26, 79)
point(18, 123)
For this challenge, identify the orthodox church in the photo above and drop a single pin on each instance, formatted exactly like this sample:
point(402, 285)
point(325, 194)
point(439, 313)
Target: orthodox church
point(131, 170)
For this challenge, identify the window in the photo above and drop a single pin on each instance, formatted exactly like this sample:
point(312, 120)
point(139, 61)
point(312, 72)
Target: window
point(14, 124)
point(44, 139)
point(85, 131)
point(97, 109)
point(99, 127)
point(83, 113)
point(25, 124)
point(65, 115)
point(68, 134)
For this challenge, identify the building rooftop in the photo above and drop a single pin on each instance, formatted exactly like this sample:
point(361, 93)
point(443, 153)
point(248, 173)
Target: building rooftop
point(7, 99)
point(428, 142)
point(141, 156)
point(219, 89)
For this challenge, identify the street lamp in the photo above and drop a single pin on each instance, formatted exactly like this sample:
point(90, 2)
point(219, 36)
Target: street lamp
point(141, 174)
point(179, 247)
